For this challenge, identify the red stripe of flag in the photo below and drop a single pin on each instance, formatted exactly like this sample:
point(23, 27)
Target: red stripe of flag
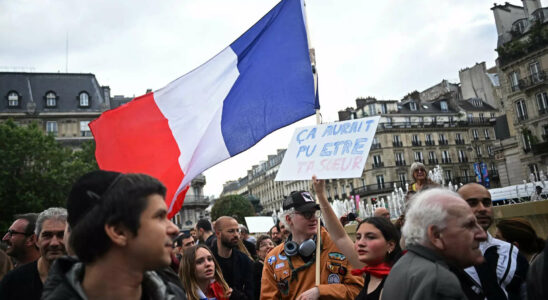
point(136, 138)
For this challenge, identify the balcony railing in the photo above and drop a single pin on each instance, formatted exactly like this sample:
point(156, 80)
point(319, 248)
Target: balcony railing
point(522, 117)
point(430, 143)
point(514, 88)
point(463, 159)
point(378, 165)
point(532, 80)
point(397, 144)
point(400, 162)
point(543, 111)
point(446, 160)
point(443, 142)
point(376, 146)
point(416, 143)
point(419, 160)
point(459, 142)
point(434, 124)
point(378, 188)
point(432, 161)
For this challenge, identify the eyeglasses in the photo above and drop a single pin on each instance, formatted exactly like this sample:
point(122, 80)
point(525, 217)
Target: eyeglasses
point(309, 214)
point(473, 202)
point(11, 232)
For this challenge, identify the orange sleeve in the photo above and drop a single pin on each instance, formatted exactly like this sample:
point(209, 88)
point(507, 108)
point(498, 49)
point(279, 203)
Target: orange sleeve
point(269, 286)
point(348, 290)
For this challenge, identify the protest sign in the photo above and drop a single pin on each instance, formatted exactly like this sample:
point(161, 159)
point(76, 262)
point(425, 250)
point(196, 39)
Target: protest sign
point(335, 150)
point(259, 224)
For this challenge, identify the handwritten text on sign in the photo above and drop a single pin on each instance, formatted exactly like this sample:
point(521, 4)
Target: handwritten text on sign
point(336, 150)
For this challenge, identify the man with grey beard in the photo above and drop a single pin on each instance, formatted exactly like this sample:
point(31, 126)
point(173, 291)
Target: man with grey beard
point(236, 266)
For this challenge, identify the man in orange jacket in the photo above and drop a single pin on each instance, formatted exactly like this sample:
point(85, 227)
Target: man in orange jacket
point(289, 269)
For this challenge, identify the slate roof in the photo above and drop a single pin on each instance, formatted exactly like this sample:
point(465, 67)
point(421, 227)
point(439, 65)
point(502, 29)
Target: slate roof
point(32, 87)
point(424, 108)
point(468, 105)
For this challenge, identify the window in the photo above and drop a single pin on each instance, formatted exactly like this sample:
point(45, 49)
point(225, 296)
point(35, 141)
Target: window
point(486, 133)
point(514, 81)
point(51, 128)
point(526, 139)
point(462, 155)
point(534, 70)
point(542, 103)
point(380, 181)
point(402, 179)
point(445, 157)
point(399, 159)
point(13, 99)
point(432, 155)
point(490, 150)
point(418, 156)
point(412, 106)
point(407, 121)
point(475, 134)
point(371, 108)
point(464, 173)
point(51, 99)
point(448, 176)
point(481, 117)
point(84, 128)
point(533, 169)
point(443, 105)
point(415, 140)
point(470, 117)
point(383, 108)
point(377, 159)
point(521, 110)
point(478, 151)
point(397, 138)
point(84, 99)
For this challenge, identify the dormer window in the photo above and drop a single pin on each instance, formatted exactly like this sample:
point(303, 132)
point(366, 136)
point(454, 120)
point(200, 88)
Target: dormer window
point(13, 99)
point(51, 99)
point(84, 99)
point(412, 106)
point(443, 105)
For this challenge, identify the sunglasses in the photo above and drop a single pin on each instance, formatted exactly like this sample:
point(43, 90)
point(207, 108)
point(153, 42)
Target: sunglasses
point(473, 202)
point(309, 214)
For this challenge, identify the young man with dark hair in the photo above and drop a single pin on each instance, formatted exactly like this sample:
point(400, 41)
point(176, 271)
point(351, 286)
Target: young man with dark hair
point(204, 232)
point(21, 239)
point(122, 237)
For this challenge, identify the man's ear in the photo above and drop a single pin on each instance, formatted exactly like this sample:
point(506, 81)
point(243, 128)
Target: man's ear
point(118, 234)
point(434, 236)
point(31, 240)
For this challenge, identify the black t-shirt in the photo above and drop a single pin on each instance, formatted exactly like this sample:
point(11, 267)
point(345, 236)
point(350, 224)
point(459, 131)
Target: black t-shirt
point(22, 283)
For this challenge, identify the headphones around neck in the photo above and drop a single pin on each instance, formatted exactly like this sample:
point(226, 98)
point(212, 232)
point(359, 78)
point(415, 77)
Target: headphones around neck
point(305, 249)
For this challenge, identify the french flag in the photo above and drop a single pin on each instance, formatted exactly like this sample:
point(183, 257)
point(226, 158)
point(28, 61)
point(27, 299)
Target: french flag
point(263, 81)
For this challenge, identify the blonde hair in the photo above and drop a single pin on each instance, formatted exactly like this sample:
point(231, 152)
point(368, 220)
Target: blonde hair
point(187, 272)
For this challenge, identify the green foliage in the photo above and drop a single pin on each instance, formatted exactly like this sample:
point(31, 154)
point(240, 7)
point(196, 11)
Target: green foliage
point(36, 172)
point(535, 39)
point(233, 206)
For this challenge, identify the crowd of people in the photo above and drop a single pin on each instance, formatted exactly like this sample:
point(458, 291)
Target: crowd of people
point(114, 241)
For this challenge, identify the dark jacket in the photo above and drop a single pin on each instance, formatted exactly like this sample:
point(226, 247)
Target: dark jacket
point(65, 275)
point(238, 273)
point(421, 274)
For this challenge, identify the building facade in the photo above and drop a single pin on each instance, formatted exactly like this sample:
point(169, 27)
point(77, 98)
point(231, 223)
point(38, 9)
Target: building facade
point(522, 65)
point(454, 134)
point(194, 206)
point(62, 104)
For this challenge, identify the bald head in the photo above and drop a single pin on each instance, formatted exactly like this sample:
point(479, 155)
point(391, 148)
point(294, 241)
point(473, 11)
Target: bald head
point(228, 234)
point(382, 212)
point(479, 199)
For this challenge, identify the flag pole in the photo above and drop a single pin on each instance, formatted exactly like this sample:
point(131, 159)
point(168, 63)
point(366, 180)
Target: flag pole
point(312, 54)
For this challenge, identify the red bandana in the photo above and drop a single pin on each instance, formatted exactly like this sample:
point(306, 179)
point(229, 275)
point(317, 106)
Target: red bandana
point(380, 270)
point(218, 290)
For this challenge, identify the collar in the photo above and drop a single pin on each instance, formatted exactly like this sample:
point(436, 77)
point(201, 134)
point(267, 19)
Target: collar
point(428, 254)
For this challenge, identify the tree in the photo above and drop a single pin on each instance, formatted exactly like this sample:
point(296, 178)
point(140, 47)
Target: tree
point(233, 206)
point(36, 171)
